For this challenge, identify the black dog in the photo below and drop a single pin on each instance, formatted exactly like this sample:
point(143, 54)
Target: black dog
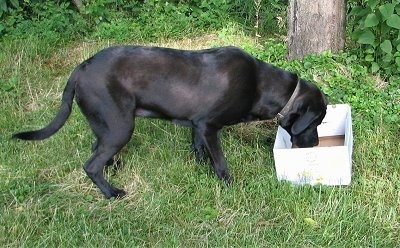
point(205, 89)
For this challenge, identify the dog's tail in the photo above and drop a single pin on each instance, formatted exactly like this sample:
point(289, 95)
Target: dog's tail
point(58, 121)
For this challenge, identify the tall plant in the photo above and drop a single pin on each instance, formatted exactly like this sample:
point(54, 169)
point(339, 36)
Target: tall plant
point(377, 30)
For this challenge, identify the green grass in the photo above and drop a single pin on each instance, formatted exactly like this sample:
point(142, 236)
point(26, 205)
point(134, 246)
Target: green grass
point(46, 200)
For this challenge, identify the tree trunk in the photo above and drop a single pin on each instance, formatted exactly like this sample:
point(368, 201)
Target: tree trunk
point(78, 4)
point(315, 26)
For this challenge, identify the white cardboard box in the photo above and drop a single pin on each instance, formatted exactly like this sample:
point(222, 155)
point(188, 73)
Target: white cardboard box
point(329, 163)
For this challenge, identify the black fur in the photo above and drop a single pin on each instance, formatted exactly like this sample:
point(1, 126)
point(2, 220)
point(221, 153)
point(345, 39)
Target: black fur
point(205, 90)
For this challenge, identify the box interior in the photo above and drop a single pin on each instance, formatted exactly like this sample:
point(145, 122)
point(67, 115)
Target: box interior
point(329, 141)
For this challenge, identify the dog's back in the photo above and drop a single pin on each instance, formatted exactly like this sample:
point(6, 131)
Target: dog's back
point(170, 83)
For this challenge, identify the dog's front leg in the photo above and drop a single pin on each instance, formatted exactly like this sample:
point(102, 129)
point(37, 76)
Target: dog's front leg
point(198, 146)
point(210, 138)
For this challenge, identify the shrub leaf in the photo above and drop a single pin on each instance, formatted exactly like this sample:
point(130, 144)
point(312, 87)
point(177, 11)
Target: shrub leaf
point(374, 67)
point(367, 37)
point(386, 10)
point(398, 61)
point(371, 21)
point(3, 6)
point(394, 21)
point(386, 46)
point(372, 3)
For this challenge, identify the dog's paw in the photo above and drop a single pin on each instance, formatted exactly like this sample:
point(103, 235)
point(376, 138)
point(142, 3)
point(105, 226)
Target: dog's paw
point(201, 155)
point(201, 159)
point(120, 193)
point(228, 181)
point(225, 177)
point(116, 193)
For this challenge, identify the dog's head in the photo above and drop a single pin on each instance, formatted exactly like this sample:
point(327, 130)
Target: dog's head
point(306, 113)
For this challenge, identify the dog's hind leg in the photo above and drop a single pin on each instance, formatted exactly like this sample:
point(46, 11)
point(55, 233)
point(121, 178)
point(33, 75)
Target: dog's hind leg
point(109, 143)
point(113, 129)
point(111, 161)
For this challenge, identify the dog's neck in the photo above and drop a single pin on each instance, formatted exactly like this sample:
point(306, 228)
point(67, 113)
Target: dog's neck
point(289, 104)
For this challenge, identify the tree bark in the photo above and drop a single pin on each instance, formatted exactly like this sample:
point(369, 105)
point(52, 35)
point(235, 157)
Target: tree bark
point(78, 4)
point(315, 26)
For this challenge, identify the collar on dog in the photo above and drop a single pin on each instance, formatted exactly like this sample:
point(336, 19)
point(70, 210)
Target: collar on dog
point(288, 105)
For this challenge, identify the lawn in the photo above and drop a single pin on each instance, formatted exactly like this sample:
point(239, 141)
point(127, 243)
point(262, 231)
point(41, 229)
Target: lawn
point(46, 200)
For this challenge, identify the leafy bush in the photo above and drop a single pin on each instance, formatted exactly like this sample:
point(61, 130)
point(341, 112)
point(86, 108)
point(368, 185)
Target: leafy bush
point(155, 19)
point(46, 20)
point(261, 16)
point(6, 6)
point(377, 30)
point(144, 20)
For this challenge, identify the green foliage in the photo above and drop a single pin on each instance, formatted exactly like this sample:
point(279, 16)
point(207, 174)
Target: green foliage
point(45, 20)
point(271, 15)
point(139, 20)
point(6, 6)
point(377, 30)
point(157, 19)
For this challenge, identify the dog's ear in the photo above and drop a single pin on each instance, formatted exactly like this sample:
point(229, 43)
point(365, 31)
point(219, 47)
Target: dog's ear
point(325, 99)
point(303, 122)
point(288, 119)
